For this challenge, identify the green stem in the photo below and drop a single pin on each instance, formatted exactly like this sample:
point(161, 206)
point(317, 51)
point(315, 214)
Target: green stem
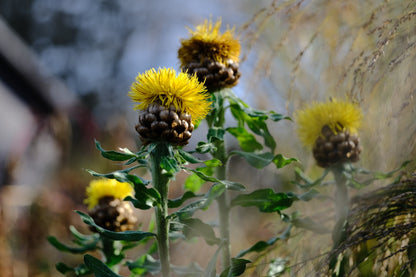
point(217, 119)
point(223, 207)
point(160, 182)
point(342, 203)
point(109, 252)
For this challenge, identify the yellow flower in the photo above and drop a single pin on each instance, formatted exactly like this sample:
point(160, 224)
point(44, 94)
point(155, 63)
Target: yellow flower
point(185, 92)
point(208, 42)
point(100, 188)
point(338, 115)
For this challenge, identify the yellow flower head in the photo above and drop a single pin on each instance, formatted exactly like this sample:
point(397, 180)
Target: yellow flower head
point(208, 42)
point(100, 188)
point(185, 92)
point(338, 115)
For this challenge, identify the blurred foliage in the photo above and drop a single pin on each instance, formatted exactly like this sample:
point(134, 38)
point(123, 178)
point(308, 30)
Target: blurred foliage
point(302, 51)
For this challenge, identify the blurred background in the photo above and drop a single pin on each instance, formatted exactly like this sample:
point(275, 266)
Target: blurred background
point(66, 68)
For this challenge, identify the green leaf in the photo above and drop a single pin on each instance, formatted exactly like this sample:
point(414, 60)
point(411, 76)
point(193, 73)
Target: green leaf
point(258, 161)
point(246, 140)
point(277, 117)
point(280, 161)
point(98, 267)
point(194, 227)
point(144, 264)
point(238, 266)
point(188, 157)
point(114, 155)
point(74, 250)
point(262, 245)
point(266, 200)
point(79, 270)
point(201, 204)
point(215, 133)
point(80, 238)
point(193, 183)
point(169, 166)
point(205, 147)
point(175, 203)
point(126, 235)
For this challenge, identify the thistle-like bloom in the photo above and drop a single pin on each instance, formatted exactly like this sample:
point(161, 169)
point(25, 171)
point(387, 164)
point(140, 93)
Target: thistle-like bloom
point(211, 55)
point(101, 188)
point(166, 88)
point(168, 105)
point(208, 42)
point(331, 128)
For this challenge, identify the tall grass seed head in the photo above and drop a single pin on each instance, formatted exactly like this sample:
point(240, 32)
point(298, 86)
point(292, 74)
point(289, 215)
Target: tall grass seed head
point(101, 188)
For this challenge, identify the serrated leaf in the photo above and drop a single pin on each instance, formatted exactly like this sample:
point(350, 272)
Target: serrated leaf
point(114, 155)
point(246, 140)
point(74, 250)
point(201, 204)
point(280, 161)
point(258, 161)
point(81, 238)
point(126, 235)
point(189, 157)
point(266, 200)
point(238, 266)
point(98, 267)
point(175, 203)
point(262, 245)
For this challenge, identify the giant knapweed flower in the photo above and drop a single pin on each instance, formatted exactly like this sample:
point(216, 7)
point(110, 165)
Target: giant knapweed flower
point(106, 205)
point(213, 56)
point(330, 129)
point(168, 104)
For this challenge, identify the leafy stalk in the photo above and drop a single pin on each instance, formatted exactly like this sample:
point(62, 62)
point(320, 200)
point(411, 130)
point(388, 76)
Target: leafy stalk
point(160, 183)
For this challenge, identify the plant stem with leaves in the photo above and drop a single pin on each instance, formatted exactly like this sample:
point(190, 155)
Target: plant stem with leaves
point(160, 183)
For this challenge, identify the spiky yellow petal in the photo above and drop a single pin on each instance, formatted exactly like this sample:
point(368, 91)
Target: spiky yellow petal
point(338, 115)
point(185, 92)
point(208, 42)
point(100, 188)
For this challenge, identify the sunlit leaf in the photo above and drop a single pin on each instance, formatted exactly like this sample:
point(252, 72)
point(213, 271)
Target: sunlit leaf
point(114, 155)
point(281, 161)
point(246, 140)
